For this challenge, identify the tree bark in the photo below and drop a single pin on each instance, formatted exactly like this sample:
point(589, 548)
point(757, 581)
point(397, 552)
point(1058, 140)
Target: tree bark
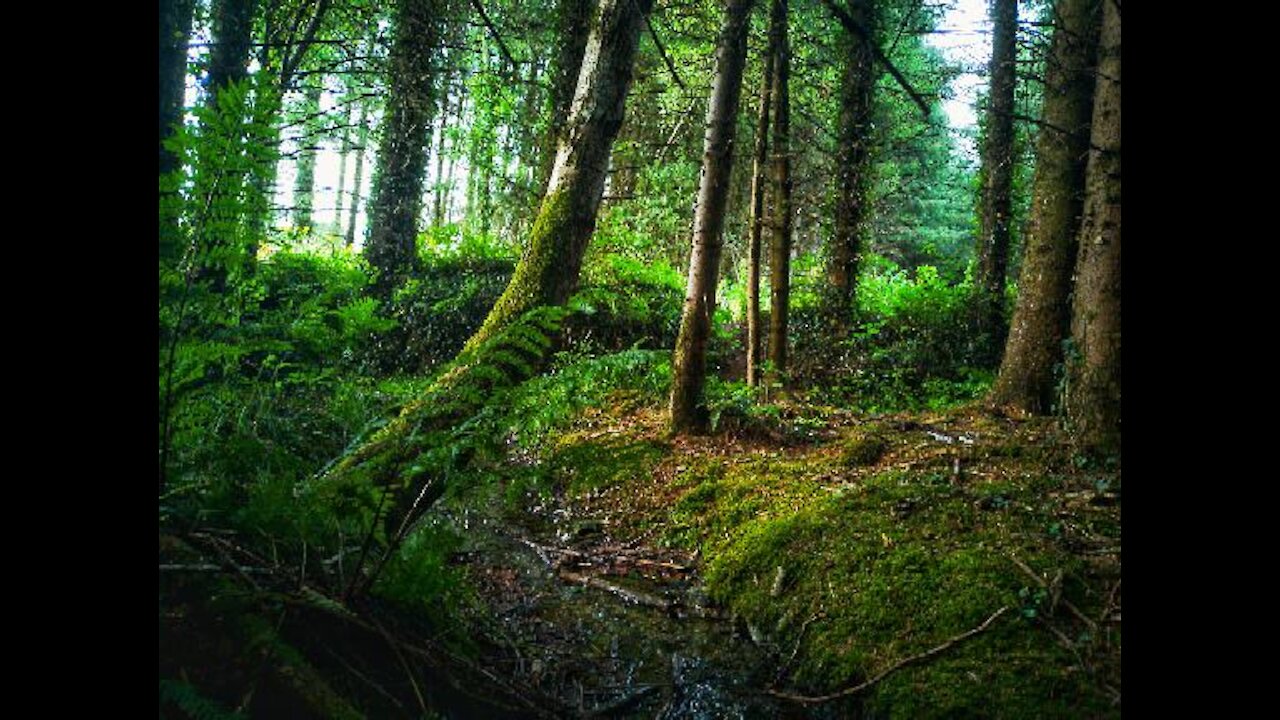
point(175, 34)
point(1093, 396)
point(1042, 315)
point(780, 250)
point(688, 410)
point(548, 273)
point(853, 152)
point(304, 186)
point(759, 163)
point(232, 33)
point(357, 182)
point(573, 19)
point(441, 189)
point(400, 455)
point(343, 155)
point(402, 154)
point(993, 251)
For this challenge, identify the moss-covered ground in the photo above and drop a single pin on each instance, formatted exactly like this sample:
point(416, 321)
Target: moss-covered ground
point(847, 544)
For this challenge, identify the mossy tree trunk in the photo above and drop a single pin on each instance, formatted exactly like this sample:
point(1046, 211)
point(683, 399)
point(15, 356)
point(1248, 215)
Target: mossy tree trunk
point(400, 173)
point(1042, 314)
point(853, 153)
point(408, 455)
point(780, 249)
point(689, 365)
point(1093, 402)
point(759, 181)
point(548, 273)
point(997, 191)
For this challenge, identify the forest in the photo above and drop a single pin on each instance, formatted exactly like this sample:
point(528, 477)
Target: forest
point(491, 384)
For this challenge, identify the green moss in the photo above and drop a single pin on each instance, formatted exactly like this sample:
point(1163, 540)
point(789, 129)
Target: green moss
point(864, 448)
point(896, 565)
point(583, 465)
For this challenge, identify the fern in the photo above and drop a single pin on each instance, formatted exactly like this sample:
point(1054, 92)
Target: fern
point(189, 700)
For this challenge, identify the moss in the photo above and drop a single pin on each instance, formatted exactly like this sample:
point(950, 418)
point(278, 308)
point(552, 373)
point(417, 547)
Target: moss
point(584, 464)
point(864, 448)
point(896, 565)
point(539, 273)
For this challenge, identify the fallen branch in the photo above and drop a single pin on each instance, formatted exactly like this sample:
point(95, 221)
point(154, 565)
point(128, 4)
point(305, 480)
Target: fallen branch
point(814, 699)
point(1093, 627)
point(632, 596)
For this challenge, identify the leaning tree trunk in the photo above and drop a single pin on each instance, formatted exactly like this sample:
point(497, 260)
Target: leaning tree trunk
point(852, 162)
point(993, 250)
point(573, 21)
point(402, 155)
point(780, 250)
point(1042, 315)
point(759, 163)
point(405, 456)
point(1093, 401)
point(689, 365)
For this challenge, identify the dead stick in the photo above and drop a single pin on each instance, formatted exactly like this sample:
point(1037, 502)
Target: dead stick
point(810, 700)
point(1041, 582)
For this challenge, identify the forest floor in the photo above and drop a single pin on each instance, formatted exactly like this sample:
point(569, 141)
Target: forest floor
point(814, 563)
point(748, 572)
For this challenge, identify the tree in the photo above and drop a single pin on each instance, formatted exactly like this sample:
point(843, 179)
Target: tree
point(1093, 367)
point(780, 248)
point(1042, 315)
point(689, 363)
point(545, 277)
point(402, 153)
point(997, 164)
point(852, 166)
point(304, 186)
point(759, 180)
point(175, 33)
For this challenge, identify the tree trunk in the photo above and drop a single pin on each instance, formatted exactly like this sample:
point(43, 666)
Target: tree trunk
point(760, 160)
point(175, 34)
point(993, 251)
point(780, 251)
point(402, 154)
point(304, 186)
point(688, 410)
point(232, 34)
point(343, 155)
point(404, 455)
point(548, 274)
point(1042, 315)
point(1093, 397)
point(852, 163)
point(357, 182)
point(441, 189)
point(573, 18)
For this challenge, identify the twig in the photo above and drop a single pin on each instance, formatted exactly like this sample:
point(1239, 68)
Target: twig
point(1041, 582)
point(663, 52)
point(368, 681)
point(408, 671)
point(809, 700)
point(502, 46)
point(853, 27)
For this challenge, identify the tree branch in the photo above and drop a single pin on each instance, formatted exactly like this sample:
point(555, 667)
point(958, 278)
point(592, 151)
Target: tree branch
point(663, 52)
point(502, 46)
point(852, 26)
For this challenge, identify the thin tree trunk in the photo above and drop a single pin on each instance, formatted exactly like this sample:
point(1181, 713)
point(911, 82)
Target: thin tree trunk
point(1093, 404)
point(438, 197)
point(993, 255)
point(853, 152)
point(759, 163)
point(402, 156)
point(345, 151)
point(689, 365)
point(357, 182)
point(780, 250)
point(304, 186)
point(1042, 314)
